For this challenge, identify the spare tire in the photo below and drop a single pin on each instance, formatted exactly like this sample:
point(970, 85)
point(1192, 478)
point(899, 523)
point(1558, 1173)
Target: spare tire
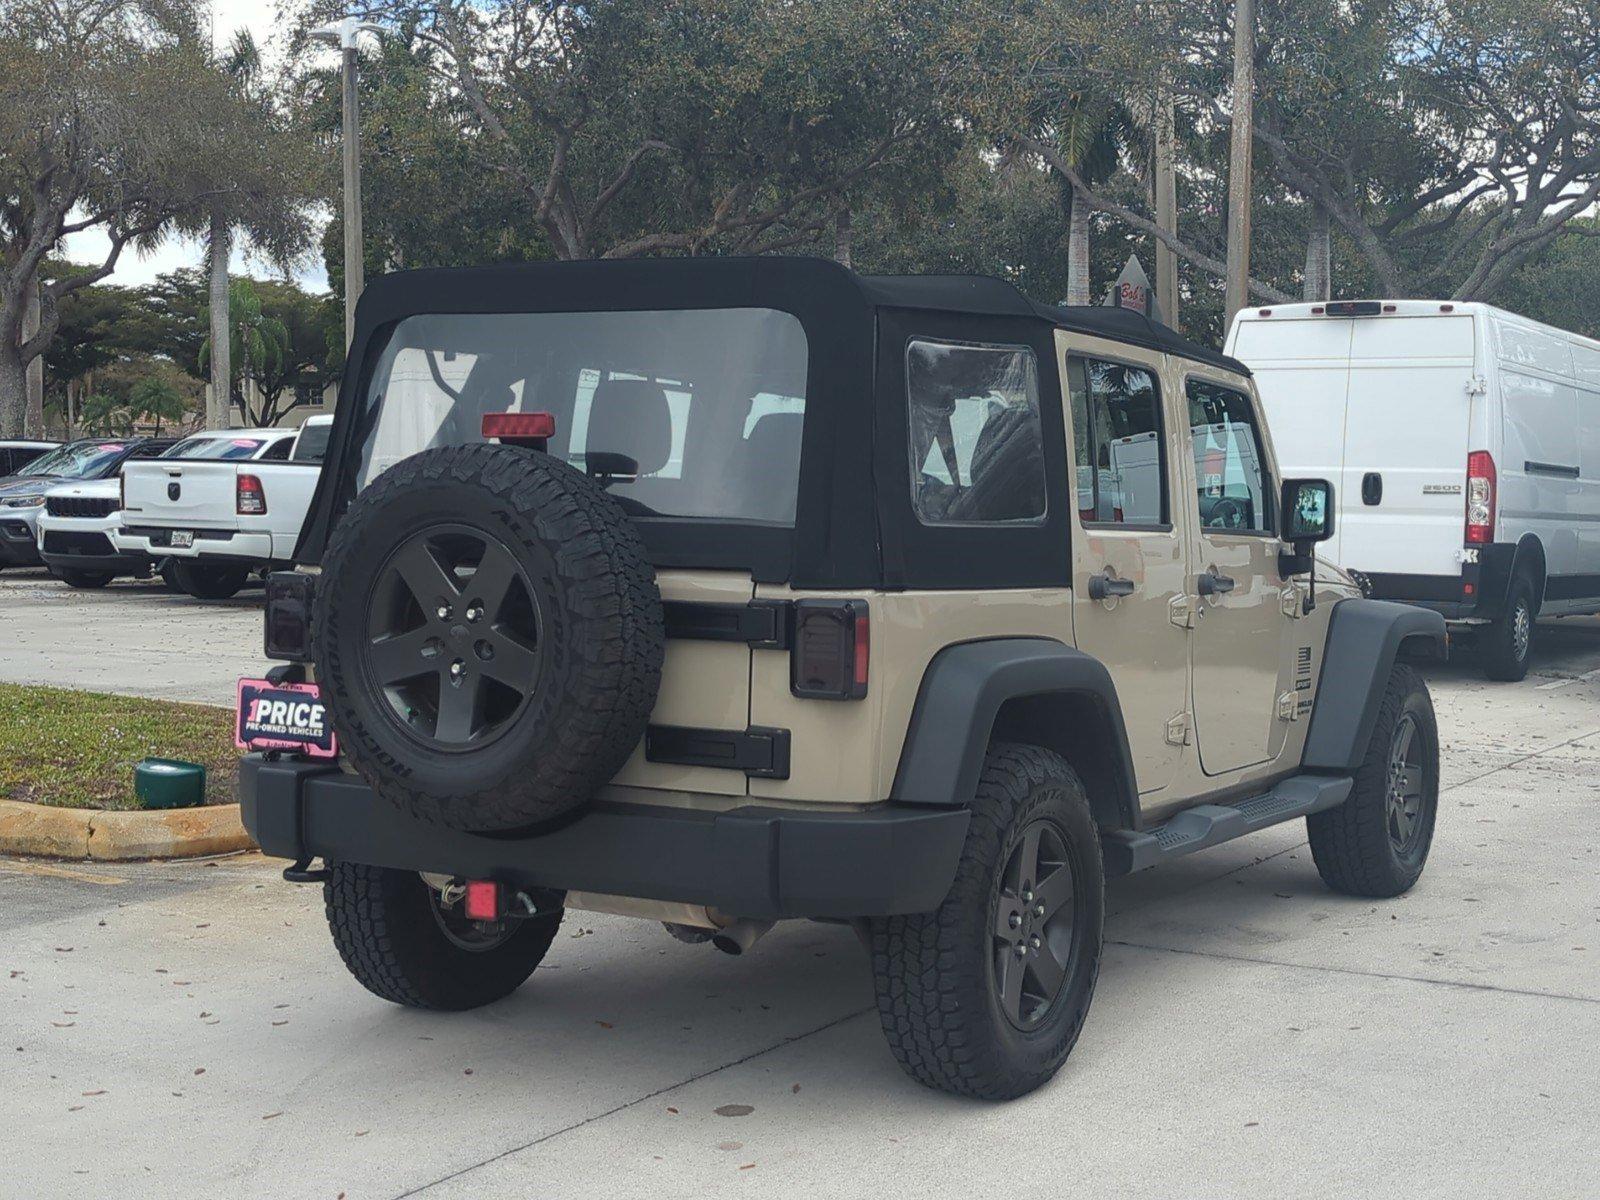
point(489, 636)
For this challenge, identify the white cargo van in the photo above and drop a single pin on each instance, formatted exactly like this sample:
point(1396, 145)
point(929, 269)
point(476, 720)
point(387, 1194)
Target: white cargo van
point(1464, 444)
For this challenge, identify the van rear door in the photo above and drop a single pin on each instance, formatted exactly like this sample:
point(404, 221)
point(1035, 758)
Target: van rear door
point(1407, 421)
point(1302, 371)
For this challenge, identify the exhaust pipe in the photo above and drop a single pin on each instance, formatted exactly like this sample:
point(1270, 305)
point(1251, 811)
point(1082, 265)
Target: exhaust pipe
point(739, 936)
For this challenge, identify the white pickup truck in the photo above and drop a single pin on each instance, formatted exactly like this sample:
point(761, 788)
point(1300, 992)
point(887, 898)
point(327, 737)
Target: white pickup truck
point(220, 521)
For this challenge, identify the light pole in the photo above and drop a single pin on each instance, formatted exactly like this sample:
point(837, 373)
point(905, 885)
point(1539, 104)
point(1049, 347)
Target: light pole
point(1244, 91)
point(343, 34)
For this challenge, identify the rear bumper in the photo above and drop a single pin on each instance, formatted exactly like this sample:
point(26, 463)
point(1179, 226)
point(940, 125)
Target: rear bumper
point(753, 861)
point(1448, 595)
point(156, 542)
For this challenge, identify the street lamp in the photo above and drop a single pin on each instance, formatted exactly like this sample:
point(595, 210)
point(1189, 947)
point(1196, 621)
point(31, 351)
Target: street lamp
point(343, 34)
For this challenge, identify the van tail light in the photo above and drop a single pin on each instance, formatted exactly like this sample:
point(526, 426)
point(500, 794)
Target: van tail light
point(250, 498)
point(832, 646)
point(1480, 497)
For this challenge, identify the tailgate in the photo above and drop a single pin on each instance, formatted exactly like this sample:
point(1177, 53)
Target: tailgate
point(704, 685)
point(180, 494)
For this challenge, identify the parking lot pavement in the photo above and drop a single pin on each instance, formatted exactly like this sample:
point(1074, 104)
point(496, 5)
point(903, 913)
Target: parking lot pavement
point(187, 1030)
point(133, 637)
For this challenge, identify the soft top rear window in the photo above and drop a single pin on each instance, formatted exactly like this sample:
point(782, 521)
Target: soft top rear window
point(676, 413)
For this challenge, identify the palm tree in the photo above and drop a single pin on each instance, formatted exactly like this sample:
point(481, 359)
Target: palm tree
point(256, 342)
point(1089, 136)
point(242, 62)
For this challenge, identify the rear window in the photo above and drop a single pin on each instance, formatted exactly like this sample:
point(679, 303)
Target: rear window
point(312, 444)
point(216, 448)
point(675, 413)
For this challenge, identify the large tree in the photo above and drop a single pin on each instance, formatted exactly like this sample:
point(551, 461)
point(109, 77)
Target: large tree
point(113, 121)
point(637, 127)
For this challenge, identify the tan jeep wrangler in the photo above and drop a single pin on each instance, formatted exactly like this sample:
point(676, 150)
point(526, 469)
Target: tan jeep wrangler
point(717, 592)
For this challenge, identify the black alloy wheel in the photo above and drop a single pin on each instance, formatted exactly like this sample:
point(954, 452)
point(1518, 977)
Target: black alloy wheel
point(454, 637)
point(1404, 811)
point(1035, 922)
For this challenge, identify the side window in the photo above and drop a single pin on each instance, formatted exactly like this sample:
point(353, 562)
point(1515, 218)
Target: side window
point(977, 446)
point(278, 451)
point(1116, 433)
point(1230, 472)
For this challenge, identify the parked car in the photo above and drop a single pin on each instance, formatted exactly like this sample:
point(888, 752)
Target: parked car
point(218, 519)
point(721, 591)
point(80, 518)
point(22, 496)
point(1465, 443)
point(16, 454)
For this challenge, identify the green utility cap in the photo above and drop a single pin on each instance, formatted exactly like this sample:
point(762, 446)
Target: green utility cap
point(168, 783)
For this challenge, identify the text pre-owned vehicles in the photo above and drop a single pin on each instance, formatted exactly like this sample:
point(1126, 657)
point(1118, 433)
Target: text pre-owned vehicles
point(22, 496)
point(80, 518)
point(1465, 445)
point(216, 518)
point(17, 453)
point(717, 592)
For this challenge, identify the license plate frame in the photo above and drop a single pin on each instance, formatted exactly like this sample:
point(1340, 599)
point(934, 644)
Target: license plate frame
point(283, 716)
point(182, 539)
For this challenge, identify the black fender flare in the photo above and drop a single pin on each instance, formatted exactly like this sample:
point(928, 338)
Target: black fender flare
point(962, 692)
point(1364, 638)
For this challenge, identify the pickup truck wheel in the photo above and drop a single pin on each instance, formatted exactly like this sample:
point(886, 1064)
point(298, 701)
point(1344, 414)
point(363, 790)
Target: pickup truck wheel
point(207, 581)
point(986, 996)
point(1376, 843)
point(84, 580)
point(1506, 645)
point(490, 636)
point(403, 945)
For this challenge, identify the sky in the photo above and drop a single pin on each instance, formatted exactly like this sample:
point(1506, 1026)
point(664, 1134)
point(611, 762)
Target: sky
point(261, 19)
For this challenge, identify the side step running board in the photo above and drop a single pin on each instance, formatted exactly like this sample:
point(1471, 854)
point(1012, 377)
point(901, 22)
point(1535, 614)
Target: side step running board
point(1128, 850)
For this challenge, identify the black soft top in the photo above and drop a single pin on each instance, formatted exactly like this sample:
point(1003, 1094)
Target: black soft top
point(987, 296)
point(853, 524)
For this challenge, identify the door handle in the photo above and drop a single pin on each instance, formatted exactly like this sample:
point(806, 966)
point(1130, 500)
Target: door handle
point(1372, 488)
point(1212, 584)
point(1103, 587)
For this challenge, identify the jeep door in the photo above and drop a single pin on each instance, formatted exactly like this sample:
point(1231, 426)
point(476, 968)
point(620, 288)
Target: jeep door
point(1238, 596)
point(1129, 555)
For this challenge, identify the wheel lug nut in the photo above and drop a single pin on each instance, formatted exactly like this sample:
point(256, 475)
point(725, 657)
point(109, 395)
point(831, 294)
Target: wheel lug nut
point(1035, 942)
point(1027, 897)
point(444, 612)
point(474, 614)
point(1016, 920)
point(1038, 910)
point(1022, 952)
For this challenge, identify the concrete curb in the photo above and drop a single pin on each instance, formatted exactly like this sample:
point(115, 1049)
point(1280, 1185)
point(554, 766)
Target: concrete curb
point(47, 832)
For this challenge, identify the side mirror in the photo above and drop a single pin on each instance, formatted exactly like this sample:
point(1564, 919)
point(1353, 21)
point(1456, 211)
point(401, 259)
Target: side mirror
point(1307, 508)
point(1307, 512)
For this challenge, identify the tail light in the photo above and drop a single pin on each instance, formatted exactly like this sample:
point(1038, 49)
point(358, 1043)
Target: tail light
point(832, 645)
point(530, 429)
point(250, 498)
point(1480, 497)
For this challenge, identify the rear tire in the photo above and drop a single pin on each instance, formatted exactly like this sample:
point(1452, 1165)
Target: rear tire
point(385, 926)
point(1506, 645)
point(1376, 843)
point(84, 580)
point(955, 1016)
point(204, 581)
